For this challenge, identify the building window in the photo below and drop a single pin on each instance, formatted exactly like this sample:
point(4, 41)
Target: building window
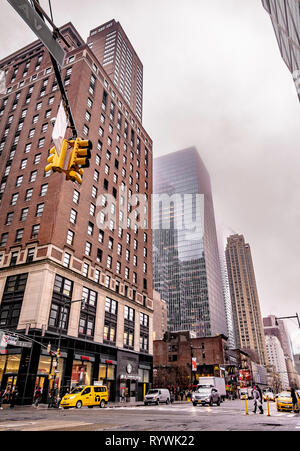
point(90, 228)
point(24, 214)
point(76, 195)
point(67, 260)
point(70, 237)
point(9, 218)
point(28, 194)
point(37, 158)
point(12, 299)
point(89, 297)
point(107, 281)
point(73, 216)
point(4, 237)
point(14, 199)
point(39, 210)
point(88, 248)
point(35, 231)
point(14, 258)
point(19, 235)
point(33, 176)
point(30, 255)
point(44, 189)
point(86, 325)
point(97, 275)
point(19, 180)
point(85, 270)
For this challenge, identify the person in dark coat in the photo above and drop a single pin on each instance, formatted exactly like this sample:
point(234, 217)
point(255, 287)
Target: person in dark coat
point(294, 400)
point(13, 397)
point(53, 398)
point(37, 396)
point(1, 398)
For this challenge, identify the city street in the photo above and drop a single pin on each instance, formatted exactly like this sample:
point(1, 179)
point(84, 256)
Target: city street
point(230, 416)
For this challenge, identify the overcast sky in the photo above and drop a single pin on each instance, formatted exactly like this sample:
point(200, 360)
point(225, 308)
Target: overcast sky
point(214, 78)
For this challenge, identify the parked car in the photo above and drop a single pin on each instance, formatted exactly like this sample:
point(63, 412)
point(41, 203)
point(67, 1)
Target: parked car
point(206, 395)
point(246, 393)
point(157, 395)
point(268, 395)
point(284, 401)
point(88, 395)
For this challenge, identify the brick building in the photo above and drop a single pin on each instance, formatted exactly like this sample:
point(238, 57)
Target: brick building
point(62, 242)
point(160, 316)
point(172, 358)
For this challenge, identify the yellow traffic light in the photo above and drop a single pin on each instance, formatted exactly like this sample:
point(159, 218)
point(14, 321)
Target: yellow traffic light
point(79, 158)
point(56, 161)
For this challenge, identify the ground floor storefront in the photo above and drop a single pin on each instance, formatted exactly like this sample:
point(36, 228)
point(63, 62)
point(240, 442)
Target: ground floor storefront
point(127, 374)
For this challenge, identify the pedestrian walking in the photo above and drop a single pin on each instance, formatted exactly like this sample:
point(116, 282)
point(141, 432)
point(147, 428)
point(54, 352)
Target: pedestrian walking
point(294, 401)
point(53, 398)
point(37, 396)
point(257, 396)
point(13, 397)
point(6, 395)
point(1, 398)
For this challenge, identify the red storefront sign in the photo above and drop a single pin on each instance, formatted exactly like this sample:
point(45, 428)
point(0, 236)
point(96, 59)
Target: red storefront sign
point(244, 375)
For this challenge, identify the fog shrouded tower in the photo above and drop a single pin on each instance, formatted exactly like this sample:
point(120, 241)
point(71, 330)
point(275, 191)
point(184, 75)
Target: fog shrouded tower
point(249, 332)
point(186, 262)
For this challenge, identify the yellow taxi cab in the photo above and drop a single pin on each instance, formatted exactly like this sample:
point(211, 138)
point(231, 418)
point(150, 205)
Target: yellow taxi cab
point(86, 395)
point(284, 401)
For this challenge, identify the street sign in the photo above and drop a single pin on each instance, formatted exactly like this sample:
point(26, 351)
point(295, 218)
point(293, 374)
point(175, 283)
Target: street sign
point(38, 26)
point(60, 128)
point(2, 82)
point(12, 341)
point(3, 340)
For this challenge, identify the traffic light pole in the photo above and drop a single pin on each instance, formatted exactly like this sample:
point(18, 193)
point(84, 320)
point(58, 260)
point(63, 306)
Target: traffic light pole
point(65, 100)
point(289, 317)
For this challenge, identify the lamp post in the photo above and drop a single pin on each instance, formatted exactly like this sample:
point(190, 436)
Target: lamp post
point(61, 327)
point(192, 356)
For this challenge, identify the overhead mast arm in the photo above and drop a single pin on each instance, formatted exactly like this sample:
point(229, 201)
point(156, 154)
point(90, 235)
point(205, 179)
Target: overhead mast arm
point(65, 100)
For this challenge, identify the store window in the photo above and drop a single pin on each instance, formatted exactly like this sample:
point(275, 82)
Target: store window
point(81, 373)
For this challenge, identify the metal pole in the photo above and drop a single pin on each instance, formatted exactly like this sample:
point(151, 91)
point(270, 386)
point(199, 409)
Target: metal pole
point(268, 404)
point(65, 100)
point(246, 405)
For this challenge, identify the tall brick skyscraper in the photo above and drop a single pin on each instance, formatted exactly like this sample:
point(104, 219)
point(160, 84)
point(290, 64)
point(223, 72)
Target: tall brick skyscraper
point(120, 61)
point(249, 332)
point(56, 243)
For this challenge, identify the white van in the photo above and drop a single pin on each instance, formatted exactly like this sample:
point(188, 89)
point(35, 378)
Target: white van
point(157, 395)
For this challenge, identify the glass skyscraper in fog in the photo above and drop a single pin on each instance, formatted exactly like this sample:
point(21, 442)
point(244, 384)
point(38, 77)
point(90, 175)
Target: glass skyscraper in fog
point(186, 264)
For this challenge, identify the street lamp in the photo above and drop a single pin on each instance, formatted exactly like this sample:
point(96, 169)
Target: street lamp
point(57, 355)
point(61, 319)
